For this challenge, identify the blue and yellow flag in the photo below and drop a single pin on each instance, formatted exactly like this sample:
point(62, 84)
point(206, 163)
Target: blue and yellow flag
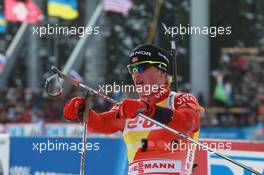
point(2, 23)
point(65, 9)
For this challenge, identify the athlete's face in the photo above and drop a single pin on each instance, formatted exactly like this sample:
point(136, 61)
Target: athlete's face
point(149, 80)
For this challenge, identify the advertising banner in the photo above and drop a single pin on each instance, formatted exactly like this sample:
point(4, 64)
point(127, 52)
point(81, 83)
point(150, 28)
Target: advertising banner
point(49, 130)
point(61, 156)
point(21, 130)
point(248, 153)
point(76, 130)
point(42, 154)
point(246, 133)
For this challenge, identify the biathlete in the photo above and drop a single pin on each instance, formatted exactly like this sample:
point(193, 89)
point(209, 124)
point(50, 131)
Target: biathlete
point(151, 149)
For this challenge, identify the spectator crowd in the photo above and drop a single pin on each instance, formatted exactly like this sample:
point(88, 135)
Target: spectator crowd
point(18, 105)
point(238, 84)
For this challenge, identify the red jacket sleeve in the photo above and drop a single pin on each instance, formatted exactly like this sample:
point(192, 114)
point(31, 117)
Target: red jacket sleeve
point(187, 113)
point(185, 120)
point(106, 122)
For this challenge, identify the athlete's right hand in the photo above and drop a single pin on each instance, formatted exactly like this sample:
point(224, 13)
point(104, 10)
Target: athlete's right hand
point(73, 110)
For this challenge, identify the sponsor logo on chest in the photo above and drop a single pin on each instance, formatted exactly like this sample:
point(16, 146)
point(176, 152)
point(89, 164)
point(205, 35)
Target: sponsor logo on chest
point(185, 98)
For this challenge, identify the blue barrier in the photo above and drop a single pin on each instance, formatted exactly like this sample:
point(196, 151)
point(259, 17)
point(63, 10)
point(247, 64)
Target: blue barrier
point(43, 156)
point(219, 168)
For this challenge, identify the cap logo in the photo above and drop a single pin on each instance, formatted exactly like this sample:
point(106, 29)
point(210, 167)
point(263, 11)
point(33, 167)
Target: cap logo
point(141, 52)
point(134, 59)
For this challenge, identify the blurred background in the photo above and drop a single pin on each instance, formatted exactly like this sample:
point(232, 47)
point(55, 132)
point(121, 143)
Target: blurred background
point(92, 40)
